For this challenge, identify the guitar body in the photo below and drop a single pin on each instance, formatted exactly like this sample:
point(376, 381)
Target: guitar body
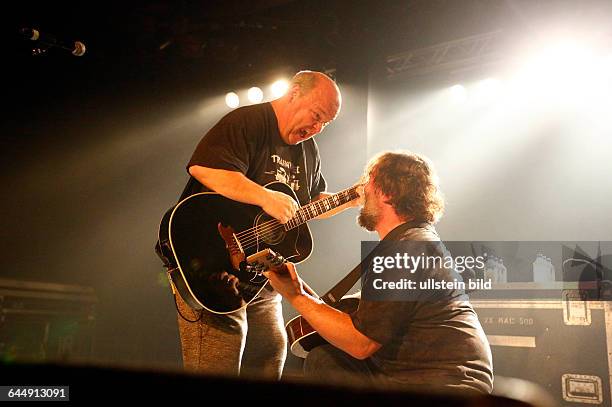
point(303, 338)
point(202, 254)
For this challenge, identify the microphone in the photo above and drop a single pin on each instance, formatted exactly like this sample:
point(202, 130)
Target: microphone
point(77, 48)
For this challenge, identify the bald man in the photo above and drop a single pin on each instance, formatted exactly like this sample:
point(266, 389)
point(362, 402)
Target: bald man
point(250, 147)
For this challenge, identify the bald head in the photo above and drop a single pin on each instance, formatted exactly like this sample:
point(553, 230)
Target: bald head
point(311, 103)
point(318, 82)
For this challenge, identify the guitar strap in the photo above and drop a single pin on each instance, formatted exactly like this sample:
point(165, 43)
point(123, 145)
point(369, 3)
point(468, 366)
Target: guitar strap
point(336, 293)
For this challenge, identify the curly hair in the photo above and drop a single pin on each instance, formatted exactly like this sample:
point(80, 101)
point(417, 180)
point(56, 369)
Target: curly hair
point(410, 183)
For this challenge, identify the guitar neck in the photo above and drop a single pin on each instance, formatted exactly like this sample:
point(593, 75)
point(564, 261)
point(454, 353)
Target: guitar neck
point(316, 208)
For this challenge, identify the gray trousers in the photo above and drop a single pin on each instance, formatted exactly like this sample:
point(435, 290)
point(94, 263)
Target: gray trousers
point(249, 342)
point(328, 364)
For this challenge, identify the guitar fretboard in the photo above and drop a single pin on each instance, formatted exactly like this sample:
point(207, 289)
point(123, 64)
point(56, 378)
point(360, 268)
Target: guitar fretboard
point(316, 208)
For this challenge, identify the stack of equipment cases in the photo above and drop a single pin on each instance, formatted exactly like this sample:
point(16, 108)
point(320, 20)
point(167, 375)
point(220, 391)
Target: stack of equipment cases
point(556, 334)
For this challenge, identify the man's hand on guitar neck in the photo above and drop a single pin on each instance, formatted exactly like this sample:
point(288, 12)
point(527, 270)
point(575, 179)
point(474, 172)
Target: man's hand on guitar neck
point(286, 281)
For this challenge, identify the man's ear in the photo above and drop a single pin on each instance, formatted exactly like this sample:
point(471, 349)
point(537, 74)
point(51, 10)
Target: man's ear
point(386, 199)
point(294, 92)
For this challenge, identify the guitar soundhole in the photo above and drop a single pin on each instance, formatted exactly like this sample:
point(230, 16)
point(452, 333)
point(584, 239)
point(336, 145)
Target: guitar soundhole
point(269, 230)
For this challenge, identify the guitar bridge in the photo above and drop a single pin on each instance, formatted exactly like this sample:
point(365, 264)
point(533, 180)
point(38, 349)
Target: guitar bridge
point(237, 243)
point(232, 244)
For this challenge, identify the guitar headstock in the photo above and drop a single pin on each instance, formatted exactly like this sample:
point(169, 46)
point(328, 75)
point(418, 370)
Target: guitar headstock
point(265, 260)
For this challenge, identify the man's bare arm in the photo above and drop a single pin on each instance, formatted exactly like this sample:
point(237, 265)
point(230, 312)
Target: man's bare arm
point(235, 186)
point(333, 325)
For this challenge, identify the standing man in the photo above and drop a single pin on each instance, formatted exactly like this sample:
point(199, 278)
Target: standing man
point(427, 338)
point(250, 147)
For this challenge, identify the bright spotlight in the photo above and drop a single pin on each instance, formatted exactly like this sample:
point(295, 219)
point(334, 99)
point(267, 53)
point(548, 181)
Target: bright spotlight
point(255, 94)
point(488, 87)
point(279, 88)
point(559, 70)
point(489, 84)
point(232, 100)
point(458, 93)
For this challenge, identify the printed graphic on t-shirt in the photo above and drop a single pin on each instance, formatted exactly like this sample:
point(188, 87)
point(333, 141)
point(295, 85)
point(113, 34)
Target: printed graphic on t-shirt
point(285, 171)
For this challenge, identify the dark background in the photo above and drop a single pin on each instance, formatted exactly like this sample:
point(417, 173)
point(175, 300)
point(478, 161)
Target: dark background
point(94, 147)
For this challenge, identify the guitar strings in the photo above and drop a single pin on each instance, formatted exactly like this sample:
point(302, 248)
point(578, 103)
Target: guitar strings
point(249, 237)
point(269, 226)
point(349, 192)
point(255, 236)
point(266, 229)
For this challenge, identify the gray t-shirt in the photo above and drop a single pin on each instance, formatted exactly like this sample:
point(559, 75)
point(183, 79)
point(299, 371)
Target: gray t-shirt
point(433, 339)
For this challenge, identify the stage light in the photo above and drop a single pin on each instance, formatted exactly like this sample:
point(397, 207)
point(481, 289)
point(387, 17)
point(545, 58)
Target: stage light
point(487, 91)
point(563, 59)
point(489, 86)
point(255, 94)
point(279, 88)
point(232, 100)
point(458, 93)
point(560, 70)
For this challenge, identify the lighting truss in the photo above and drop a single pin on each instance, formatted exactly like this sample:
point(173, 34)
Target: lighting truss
point(466, 53)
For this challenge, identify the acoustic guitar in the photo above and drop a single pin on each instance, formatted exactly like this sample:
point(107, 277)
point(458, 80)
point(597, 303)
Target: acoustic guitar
point(206, 241)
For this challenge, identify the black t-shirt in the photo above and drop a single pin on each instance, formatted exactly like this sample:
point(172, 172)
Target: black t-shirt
point(434, 339)
point(247, 140)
